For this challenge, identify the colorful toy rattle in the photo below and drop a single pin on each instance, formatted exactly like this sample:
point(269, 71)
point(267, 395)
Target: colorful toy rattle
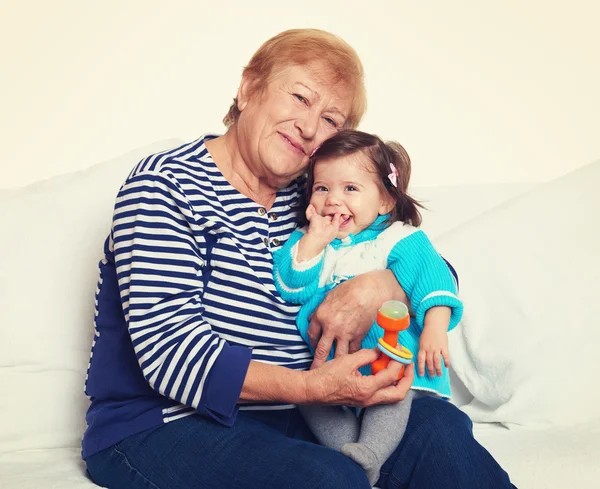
point(392, 317)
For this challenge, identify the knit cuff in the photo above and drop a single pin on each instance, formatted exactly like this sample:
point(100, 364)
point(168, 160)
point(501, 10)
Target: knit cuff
point(303, 266)
point(288, 278)
point(440, 298)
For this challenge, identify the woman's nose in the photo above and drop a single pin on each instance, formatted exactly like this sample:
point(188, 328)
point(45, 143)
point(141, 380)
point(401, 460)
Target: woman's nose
point(308, 123)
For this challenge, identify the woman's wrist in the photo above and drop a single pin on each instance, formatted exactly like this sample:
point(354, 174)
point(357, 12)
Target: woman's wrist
point(273, 383)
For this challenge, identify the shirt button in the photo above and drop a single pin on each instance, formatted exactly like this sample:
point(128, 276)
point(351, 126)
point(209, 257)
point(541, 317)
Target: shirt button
point(266, 241)
point(261, 211)
point(273, 216)
point(275, 242)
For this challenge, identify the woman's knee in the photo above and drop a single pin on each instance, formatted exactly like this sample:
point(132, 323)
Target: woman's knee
point(112, 469)
point(336, 471)
point(439, 418)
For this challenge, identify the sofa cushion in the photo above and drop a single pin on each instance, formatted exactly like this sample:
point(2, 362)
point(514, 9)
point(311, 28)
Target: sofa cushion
point(55, 468)
point(527, 348)
point(53, 232)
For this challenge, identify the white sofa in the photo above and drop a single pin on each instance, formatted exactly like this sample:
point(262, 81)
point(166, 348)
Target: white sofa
point(526, 349)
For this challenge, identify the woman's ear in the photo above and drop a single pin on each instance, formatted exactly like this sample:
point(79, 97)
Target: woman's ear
point(244, 92)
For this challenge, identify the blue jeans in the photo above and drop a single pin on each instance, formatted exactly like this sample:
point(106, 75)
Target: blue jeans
point(275, 449)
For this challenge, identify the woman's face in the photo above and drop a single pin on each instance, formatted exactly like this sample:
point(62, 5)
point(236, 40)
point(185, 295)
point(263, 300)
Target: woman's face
point(278, 129)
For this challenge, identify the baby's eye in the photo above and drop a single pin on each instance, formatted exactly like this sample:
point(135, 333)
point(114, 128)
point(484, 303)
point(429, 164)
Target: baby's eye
point(351, 188)
point(320, 188)
point(301, 98)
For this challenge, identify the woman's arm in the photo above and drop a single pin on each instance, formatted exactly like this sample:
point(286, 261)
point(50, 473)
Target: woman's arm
point(335, 383)
point(159, 260)
point(349, 311)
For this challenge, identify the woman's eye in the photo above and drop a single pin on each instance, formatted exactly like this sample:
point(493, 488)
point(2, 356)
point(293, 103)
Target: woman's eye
point(331, 122)
point(301, 98)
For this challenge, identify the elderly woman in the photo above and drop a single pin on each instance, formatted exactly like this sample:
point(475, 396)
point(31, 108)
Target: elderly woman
point(197, 365)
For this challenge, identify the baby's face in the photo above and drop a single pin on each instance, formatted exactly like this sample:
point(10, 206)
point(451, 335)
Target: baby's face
point(349, 186)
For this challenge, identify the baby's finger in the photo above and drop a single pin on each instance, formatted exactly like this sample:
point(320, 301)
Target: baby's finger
point(446, 356)
point(310, 212)
point(430, 368)
point(437, 361)
point(421, 362)
point(337, 218)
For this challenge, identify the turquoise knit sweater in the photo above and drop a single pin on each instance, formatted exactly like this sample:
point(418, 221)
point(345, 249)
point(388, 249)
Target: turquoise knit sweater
point(405, 250)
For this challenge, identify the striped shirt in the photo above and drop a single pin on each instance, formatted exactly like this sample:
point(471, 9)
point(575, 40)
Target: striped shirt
point(186, 298)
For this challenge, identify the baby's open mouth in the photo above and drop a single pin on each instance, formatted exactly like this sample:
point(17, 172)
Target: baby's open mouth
point(345, 220)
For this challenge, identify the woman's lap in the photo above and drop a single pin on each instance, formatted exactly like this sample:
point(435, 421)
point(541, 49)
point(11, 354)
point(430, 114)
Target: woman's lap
point(195, 452)
point(274, 449)
point(438, 450)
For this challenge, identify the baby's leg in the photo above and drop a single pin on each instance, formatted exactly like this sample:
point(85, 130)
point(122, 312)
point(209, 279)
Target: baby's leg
point(382, 429)
point(333, 426)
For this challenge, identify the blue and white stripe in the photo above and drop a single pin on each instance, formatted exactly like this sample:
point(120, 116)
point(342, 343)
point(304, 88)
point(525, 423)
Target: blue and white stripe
point(171, 206)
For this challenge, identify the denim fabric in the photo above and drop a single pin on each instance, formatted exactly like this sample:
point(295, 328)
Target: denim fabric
point(438, 451)
point(275, 449)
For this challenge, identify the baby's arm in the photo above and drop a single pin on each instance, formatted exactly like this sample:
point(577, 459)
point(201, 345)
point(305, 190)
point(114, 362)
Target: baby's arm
point(297, 265)
point(431, 288)
point(433, 343)
point(295, 281)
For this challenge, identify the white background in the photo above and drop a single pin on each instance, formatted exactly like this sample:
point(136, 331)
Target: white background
point(477, 91)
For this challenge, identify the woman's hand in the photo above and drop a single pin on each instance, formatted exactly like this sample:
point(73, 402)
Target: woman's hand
point(338, 382)
point(349, 311)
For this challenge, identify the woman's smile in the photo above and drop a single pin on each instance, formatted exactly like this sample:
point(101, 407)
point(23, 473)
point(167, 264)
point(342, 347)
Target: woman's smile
point(292, 144)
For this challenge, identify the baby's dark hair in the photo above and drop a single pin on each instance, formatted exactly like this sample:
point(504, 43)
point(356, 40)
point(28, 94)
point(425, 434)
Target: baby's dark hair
point(382, 155)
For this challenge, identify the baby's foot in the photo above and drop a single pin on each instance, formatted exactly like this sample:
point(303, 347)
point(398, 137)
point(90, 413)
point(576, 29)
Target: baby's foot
point(365, 457)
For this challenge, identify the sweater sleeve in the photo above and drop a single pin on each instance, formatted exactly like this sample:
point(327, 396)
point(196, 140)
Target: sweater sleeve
point(159, 249)
point(296, 281)
point(425, 277)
